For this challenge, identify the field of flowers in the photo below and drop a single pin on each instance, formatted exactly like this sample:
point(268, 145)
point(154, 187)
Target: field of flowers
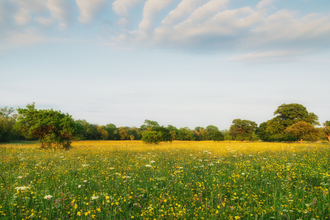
point(179, 180)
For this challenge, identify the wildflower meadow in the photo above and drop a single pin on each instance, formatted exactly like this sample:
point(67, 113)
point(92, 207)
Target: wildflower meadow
point(178, 180)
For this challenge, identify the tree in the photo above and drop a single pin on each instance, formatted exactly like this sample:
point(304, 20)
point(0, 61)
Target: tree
point(151, 137)
point(52, 128)
point(326, 127)
point(213, 133)
point(112, 131)
point(185, 134)
point(262, 133)
point(285, 116)
point(243, 130)
point(303, 131)
point(200, 134)
point(290, 114)
point(173, 131)
point(148, 124)
point(7, 120)
point(104, 134)
point(123, 133)
point(134, 133)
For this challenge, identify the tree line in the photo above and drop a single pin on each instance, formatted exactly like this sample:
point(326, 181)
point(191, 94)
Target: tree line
point(291, 122)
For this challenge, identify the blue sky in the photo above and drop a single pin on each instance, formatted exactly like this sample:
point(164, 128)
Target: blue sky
point(180, 62)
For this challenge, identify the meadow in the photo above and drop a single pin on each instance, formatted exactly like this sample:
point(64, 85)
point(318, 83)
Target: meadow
point(179, 180)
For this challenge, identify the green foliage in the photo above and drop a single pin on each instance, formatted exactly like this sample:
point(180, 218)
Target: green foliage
point(199, 134)
point(173, 131)
point(213, 133)
point(112, 131)
point(151, 137)
point(52, 128)
point(185, 134)
point(165, 133)
point(6, 128)
point(289, 114)
point(303, 131)
point(148, 125)
point(243, 130)
point(7, 121)
point(262, 132)
point(326, 127)
point(88, 131)
point(104, 134)
point(123, 133)
point(285, 116)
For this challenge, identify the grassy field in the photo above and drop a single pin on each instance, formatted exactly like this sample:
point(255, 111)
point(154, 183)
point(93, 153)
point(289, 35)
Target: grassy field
point(179, 180)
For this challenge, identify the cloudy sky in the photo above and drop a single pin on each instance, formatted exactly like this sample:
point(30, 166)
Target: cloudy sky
point(180, 62)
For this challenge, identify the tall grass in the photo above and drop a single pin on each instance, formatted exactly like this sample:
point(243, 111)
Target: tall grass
point(179, 180)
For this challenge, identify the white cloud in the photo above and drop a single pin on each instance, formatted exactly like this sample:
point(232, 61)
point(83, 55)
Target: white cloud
point(121, 6)
point(22, 17)
point(264, 4)
point(60, 10)
point(193, 33)
point(284, 29)
point(150, 11)
point(207, 10)
point(185, 8)
point(89, 9)
point(46, 22)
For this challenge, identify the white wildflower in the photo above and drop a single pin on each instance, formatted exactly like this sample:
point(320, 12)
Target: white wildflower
point(48, 197)
point(22, 188)
point(148, 165)
point(94, 197)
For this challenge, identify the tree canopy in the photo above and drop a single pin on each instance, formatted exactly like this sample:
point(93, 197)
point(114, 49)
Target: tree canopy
point(52, 128)
point(303, 131)
point(242, 130)
point(286, 115)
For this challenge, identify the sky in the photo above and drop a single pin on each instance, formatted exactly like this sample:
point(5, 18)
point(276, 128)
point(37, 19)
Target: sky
point(180, 62)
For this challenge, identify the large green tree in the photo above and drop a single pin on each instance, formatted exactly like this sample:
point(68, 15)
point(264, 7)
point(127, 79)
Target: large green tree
point(285, 116)
point(154, 133)
point(242, 130)
point(303, 131)
point(52, 128)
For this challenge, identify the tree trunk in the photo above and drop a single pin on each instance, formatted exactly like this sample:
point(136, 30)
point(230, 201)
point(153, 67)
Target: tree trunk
point(328, 137)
